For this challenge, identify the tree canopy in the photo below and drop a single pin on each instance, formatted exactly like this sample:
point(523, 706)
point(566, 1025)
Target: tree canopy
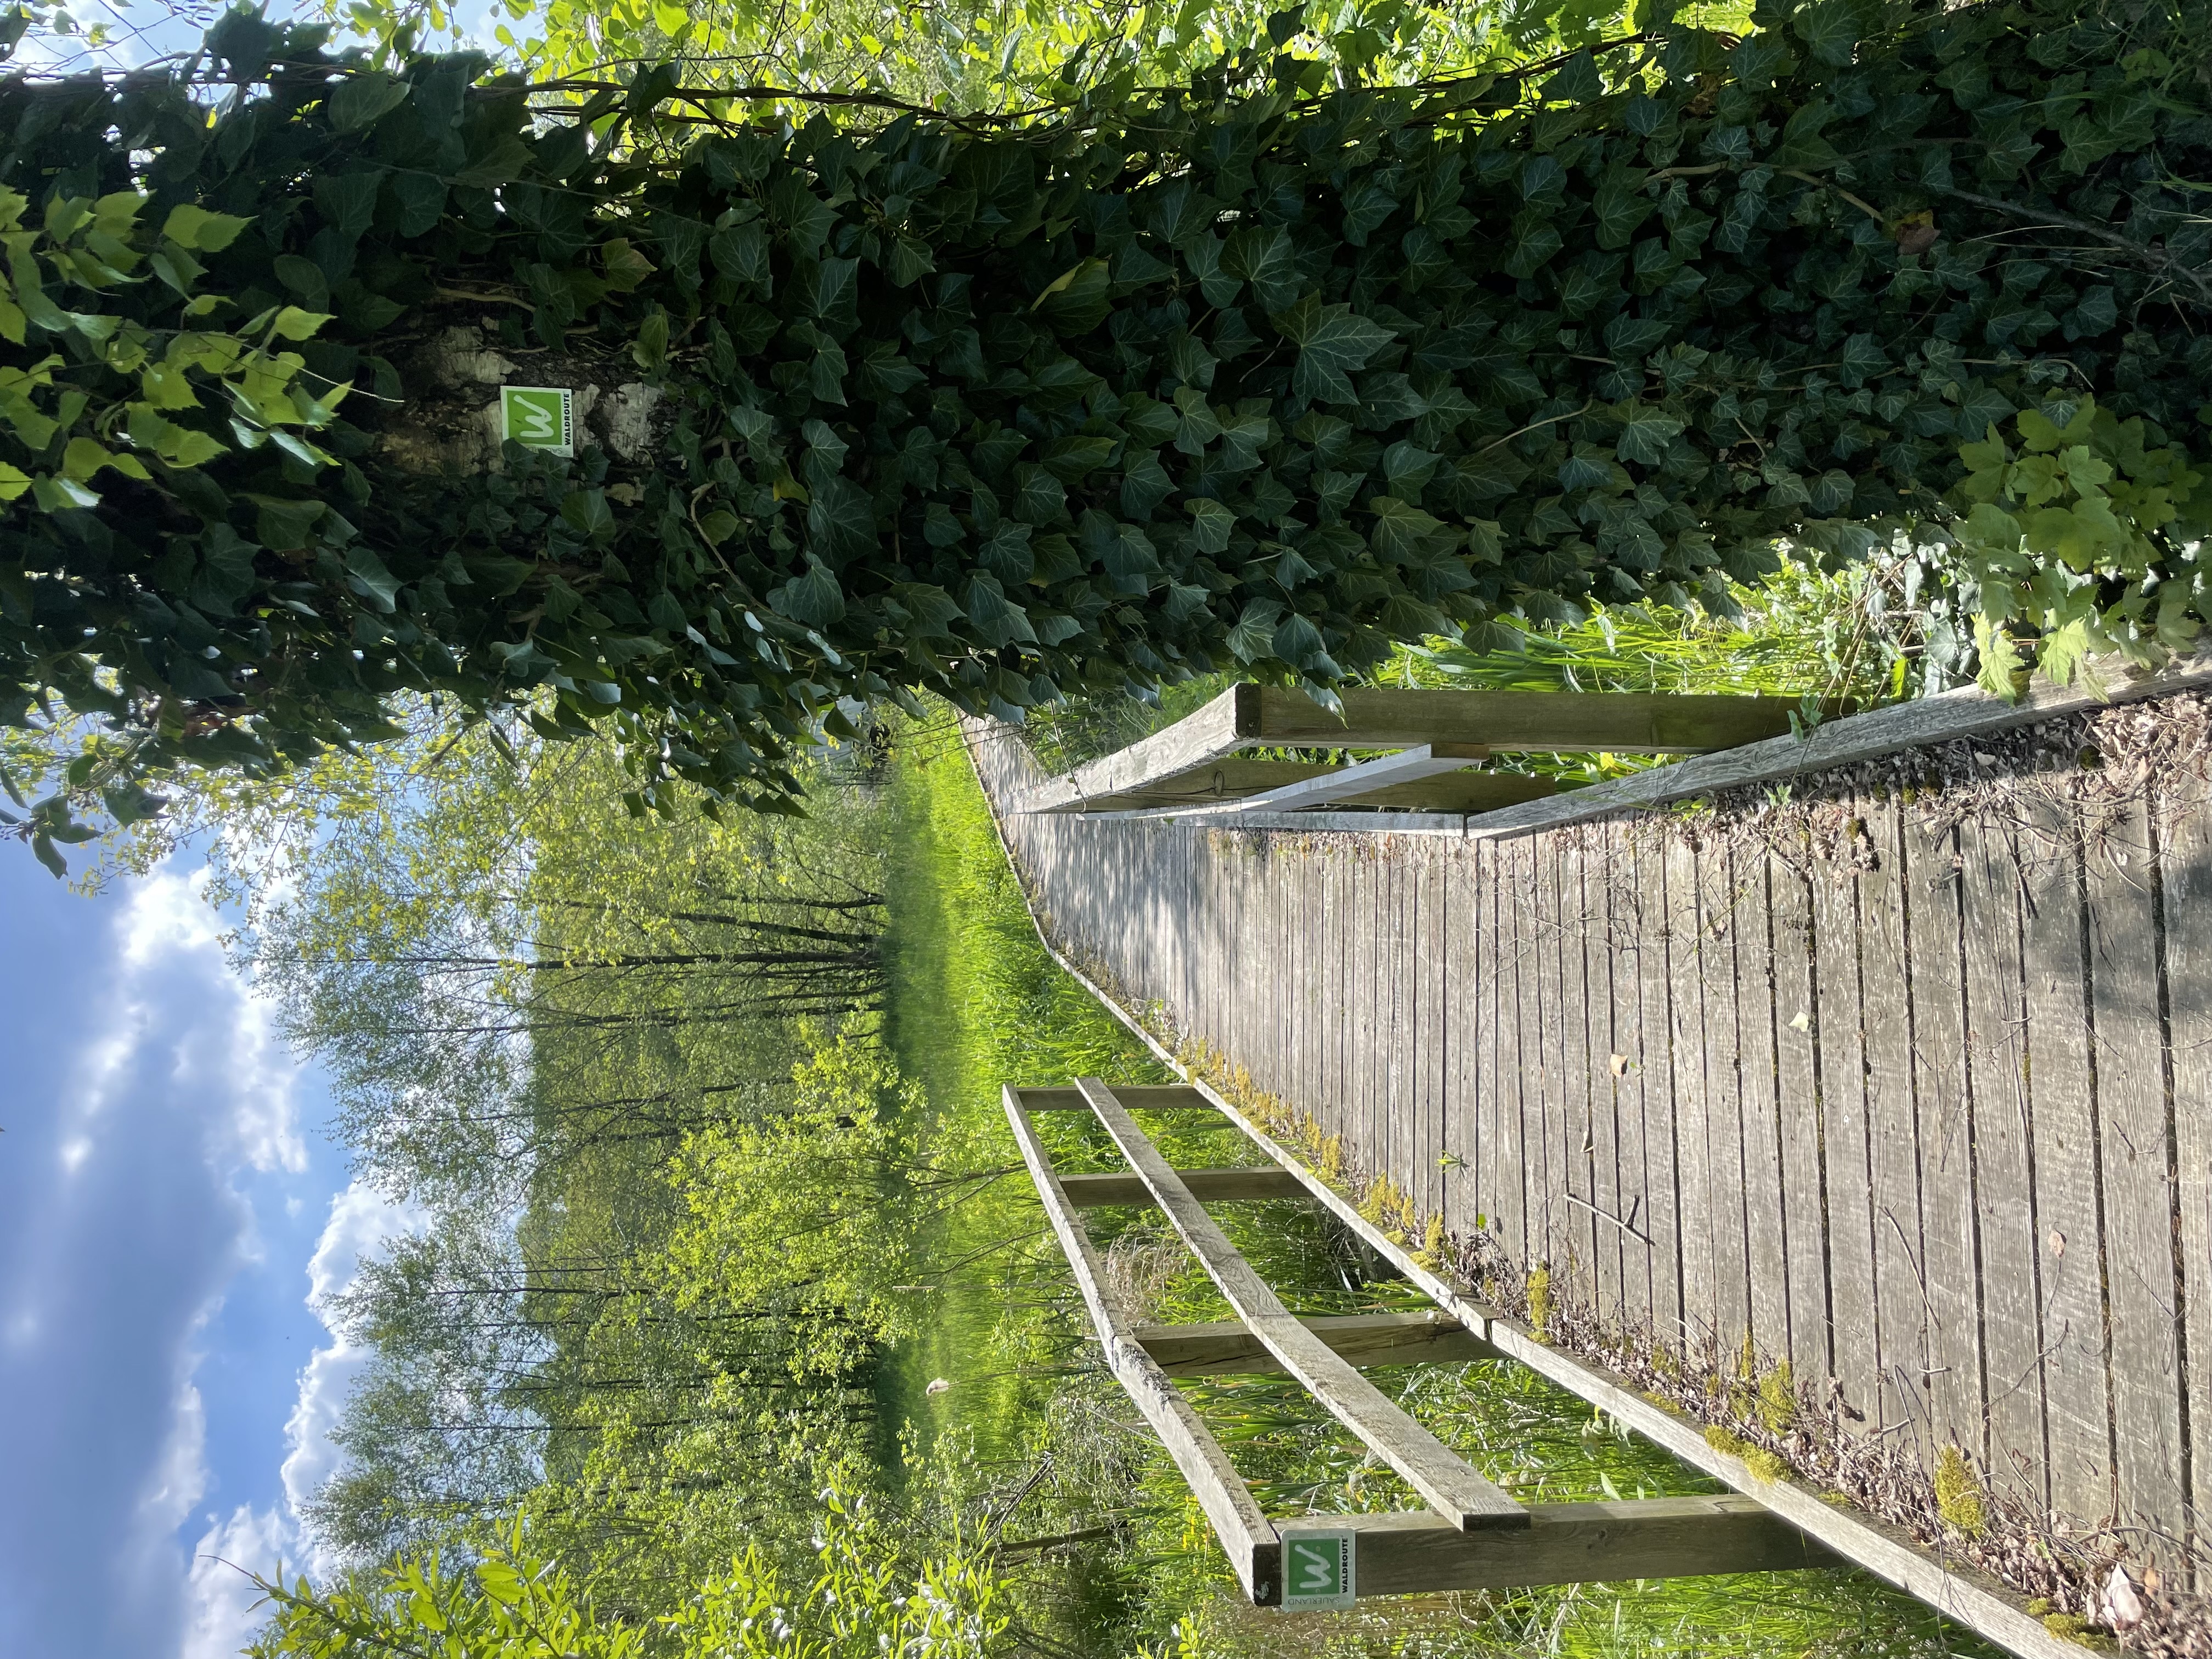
point(1261, 372)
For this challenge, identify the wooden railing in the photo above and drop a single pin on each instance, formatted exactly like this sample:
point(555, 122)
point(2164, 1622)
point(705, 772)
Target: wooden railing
point(1200, 762)
point(1472, 1535)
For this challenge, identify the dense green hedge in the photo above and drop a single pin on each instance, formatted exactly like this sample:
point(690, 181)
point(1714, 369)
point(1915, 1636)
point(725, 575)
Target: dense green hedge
point(1263, 377)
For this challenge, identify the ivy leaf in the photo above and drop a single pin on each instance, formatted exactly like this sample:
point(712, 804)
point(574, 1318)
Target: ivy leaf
point(1336, 343)
point(1403, 533)
point(1646, 432)
point(812, 598)
point(1266, 260)
point(840, 520)
point(586, 512)
point(1211, 524)
point(1577, 82)
point(1253, 638)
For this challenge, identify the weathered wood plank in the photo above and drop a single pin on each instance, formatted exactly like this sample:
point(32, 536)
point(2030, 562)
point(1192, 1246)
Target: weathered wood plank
point(1885, 992)
point(1766, 1194)
point(1453, 1489)
point(1933, 877)
point(1094, 1192)
point(1687, 1034)
point(1431, 999)
point(1405, 1555)
point(2076, 1386)
point(1799, 1117)
point(1595, 1081)
point(1226, 1347)
point(1637, 1170)
point(1662, 1101)
point(2011, 1256)
point(1721, 911)
point(1549, 1040)
point(1508, 1194)
point(1623, 722)
point(2185, 903)
point(1247, 1537)
point(2136, 1135)
point(1144, 1098)
point(1846, 1148)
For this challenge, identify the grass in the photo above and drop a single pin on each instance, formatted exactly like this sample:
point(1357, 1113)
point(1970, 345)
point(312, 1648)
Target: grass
point(1031, 1430)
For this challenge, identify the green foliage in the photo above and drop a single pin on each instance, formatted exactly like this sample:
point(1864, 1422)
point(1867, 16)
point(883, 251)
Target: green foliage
point(799, 1210)
point(866, 1598)
point(2090, 534)
point(1251, 379)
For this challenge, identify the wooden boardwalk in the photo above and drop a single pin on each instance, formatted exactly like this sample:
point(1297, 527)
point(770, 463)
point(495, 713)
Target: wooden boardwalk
point(1899, 1076)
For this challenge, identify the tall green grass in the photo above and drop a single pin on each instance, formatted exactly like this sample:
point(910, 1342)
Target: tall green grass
point(1030, 1431)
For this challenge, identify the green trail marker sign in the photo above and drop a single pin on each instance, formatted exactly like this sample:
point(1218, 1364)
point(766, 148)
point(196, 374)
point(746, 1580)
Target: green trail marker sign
point(1319, 1569)
point(539, 418)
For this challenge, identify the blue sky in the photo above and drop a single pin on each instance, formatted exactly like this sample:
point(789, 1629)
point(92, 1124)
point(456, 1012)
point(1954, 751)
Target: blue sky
point(168, 1209)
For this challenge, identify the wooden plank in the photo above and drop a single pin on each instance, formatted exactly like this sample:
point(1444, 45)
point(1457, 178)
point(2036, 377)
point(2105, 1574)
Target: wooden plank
point(1215, 732)
point(1094, 1192)
point(1765, 1183)
point(1142, 1097)
point(1594, 1080)
point(1944, 1109)
point(2186, 895)
point(1798, 1117)
point(1388, 1339)
point(1432, 1031)
point(1408, 1554)
point(1688, 973)
point(2076, 1385)
point(1229, 778)
point(1459, 1132)
point(2015, 1450)
point(1718, 904)
point(1362, 778)
point(1562, 1230)
point(2136, 1134)
point(1442, 1479)
point(1886, 996)
point(1247, 1537)
point(1635, 1168)
point(1662, 1102)
point(1847, 1156)
point(1509, 1188)
point(1623, 722)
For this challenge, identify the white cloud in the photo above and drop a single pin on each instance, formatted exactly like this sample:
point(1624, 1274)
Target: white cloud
point(221, 1598)
point(362, 1218)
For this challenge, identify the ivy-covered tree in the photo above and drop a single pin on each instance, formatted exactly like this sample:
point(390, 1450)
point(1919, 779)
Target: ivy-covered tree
point(1253, 373)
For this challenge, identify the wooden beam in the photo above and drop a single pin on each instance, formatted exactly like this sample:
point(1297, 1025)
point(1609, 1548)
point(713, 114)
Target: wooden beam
point(1410, 1553)
point(1140, 1096)
point(1217, 782)
point(1247, 1536)
point(1459, 791)
point(1092, 1192)
point(1413, 1338)
point(1619, 722)
point(1421, 762)
point(1442, 1477)
point(1224, 726)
